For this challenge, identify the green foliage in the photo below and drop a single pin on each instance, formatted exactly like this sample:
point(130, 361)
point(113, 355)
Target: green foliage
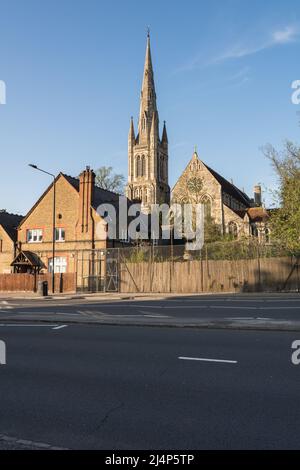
point(212, 231)
point(285, 221)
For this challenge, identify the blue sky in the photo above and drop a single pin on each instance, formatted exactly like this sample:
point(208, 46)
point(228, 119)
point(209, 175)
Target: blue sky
point(73, 71)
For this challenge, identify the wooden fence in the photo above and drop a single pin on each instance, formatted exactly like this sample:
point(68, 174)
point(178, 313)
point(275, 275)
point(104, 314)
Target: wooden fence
point(248, 275)
point(29, 282)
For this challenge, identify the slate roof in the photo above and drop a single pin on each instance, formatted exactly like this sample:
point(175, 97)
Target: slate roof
point(10, 223)
point(100, 195)
point(230, 188)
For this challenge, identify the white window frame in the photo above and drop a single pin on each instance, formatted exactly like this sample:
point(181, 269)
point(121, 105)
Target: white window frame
point(60, 230)
point(36, 235)
point(60, 264)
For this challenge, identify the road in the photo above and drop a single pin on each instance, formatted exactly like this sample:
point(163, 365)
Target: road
point(81, 375)
point(110, 387)
point(279, 312)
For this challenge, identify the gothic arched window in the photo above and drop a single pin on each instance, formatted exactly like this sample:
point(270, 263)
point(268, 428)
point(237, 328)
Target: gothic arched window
point(143, 166)
point(138, 166)
point(207, 207)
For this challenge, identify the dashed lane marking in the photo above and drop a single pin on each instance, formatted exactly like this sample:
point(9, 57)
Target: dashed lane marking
point(27, 443)
point(203, 359)
point(59, 327)
point(17, 325)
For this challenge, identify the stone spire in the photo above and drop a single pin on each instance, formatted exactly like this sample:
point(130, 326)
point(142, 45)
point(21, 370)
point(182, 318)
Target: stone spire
point(164, 139)
point(131, 135)
point(148, 95)
point(147, 154)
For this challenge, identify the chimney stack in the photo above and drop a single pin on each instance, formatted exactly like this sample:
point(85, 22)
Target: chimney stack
point(257, 195)
point(86, 191)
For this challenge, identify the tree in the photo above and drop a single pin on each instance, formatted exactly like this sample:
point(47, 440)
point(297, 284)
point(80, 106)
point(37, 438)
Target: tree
point(107, 179)
point(285, 221)
point(212, 231)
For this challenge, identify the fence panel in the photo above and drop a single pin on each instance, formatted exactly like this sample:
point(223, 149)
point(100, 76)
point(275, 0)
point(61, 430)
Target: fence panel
point(28, 282)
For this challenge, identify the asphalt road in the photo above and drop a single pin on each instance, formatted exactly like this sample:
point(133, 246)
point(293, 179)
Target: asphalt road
point(253, 311)
point(110, 387)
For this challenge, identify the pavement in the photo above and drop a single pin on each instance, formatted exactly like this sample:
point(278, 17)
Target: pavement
point(129, 388)
point(279, 312)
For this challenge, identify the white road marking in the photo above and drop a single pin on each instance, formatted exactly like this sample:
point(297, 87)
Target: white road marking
point(240, 318)
point(25, 326)
point(155, 316)
point(202, 359)
point(48, 313)
point(59, 327)
point(26, 443)
point(231, 307)
point(279, 308)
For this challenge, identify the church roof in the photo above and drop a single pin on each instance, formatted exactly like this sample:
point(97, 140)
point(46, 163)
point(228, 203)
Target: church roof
point(10, 223)
point(230, 188)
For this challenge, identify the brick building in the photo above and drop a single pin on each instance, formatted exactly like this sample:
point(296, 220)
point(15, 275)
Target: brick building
point(8, 239)
point(79, 229)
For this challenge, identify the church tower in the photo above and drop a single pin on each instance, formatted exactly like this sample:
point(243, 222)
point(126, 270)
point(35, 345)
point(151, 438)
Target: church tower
point(147, 153)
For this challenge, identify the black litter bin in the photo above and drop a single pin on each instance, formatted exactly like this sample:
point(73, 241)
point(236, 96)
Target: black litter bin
point(43, 288)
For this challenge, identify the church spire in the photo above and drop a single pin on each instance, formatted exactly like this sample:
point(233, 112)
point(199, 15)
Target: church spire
point(164, 139)
point(131, 135)
point(147, 154)
point(148, 95)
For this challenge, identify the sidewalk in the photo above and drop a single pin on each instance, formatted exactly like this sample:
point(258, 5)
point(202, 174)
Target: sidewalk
point(94, 296)
point(138, 295)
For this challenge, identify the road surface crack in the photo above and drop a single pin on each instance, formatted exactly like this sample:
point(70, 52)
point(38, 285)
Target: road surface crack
point(110, 412)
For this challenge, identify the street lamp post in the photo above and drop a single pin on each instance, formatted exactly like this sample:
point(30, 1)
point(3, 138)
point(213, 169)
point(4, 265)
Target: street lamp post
point(35, 167)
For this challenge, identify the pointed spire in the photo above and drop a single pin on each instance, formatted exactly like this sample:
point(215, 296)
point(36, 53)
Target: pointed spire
point(164, 138)
point(131, 130)
point(148, 95)
point(148, 80)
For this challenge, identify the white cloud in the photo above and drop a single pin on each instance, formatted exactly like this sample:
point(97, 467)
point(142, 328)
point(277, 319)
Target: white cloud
point(282, 36)
point(286, 35)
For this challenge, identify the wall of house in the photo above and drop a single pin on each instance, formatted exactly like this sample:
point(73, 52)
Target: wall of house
point(243, 227)
point(6, 252)
point(67, 217)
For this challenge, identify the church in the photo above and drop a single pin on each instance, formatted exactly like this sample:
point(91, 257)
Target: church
point(233, 211)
